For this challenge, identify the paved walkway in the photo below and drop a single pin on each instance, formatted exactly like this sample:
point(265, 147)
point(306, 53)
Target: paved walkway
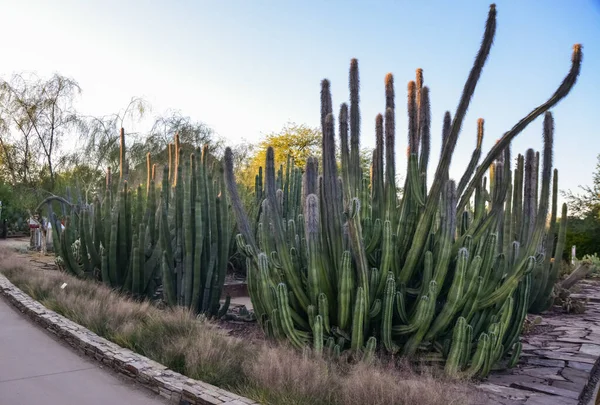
point(37, 369)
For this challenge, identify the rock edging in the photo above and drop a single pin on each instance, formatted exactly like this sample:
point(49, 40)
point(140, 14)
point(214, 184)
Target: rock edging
point(173, 386)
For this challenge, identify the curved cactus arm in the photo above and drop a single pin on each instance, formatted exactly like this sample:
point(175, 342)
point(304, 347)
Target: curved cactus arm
point(545, 301)
point(562, 91)
point(387, 251)
point(415, 340)
point(455, 296)
point(318, 335)
point(358, 320)
point(452, 367)
point(431, 206)
point(66, 242)
point(516, 353)
point(417, 320)
point(324, 312)
point(96, 261)
point(285, 317)
point(479, 357)
point(188, 223)
point(344, 291)
point(198, 264)
point(388, 314)
point(370, 347)
point(466, 352)
point(168, 274)
point(507, 287)
point(511, 336)
point(375, 309)
point(85, 259)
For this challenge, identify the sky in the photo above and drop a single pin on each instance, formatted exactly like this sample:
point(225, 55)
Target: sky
point(246, 68)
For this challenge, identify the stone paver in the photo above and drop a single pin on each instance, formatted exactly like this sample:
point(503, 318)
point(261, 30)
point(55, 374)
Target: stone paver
point(556, 366)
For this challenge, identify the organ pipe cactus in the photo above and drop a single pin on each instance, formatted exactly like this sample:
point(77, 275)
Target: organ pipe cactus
point(177, 237)
point(446, 269)
point(194, 233)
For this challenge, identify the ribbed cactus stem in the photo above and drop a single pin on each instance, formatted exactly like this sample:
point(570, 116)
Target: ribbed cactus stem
point(464, 180)
point(310, 178)
point(176, 161)
point(529, 208)
point(170, 167)
point(345, 152)
point(326, 103)
point(412, 118)
point(188, 235)
point(331, 212)
point(149, 175)
point(377, 176)
point(354, 84)
point(390, 169)
point(419, 88)
point(389, 92)
point(424, 110)
point(122, 163)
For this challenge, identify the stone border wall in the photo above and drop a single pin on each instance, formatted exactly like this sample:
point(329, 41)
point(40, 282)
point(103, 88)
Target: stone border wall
point(173, 386)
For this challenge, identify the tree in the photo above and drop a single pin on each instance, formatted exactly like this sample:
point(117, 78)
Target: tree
point(297, 141)
point(41, 112)
point(100, 135)
point(587, 203)
point(584, 221)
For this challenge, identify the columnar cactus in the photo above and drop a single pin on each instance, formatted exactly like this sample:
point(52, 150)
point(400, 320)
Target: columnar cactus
point(136, 242)
point(447, 271)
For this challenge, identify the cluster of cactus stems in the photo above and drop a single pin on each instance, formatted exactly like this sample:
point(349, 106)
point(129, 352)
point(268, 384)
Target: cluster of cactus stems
point(139, 241)
point(338, 261)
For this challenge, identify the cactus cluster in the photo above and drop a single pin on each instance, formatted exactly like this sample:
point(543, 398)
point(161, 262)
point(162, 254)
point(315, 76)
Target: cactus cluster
point(138, 241)
point(337, 261)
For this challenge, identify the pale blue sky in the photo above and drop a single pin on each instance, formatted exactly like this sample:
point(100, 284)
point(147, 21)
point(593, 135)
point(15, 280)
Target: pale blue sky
point(246, 68)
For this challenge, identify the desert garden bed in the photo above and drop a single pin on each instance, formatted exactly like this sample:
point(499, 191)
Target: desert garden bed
point(204, 350)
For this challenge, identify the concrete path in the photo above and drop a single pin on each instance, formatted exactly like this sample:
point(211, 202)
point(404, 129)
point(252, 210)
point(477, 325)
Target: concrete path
point(37, 369)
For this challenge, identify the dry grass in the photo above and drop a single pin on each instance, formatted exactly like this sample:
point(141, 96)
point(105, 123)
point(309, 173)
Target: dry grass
point(197, 348)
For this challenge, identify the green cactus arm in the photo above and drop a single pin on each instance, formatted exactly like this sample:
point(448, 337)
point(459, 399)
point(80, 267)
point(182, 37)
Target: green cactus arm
point(344, 291)
point(113, 258)
point(198, 265)
point(136, 276)
point(85, 260)
point(522, 294)
point(318, 335)
point(388, 314)
point(561, 92)
point(455, 296)
point(324, 312)
point(553, 274)
point(66, 242)
point(516, 353)
point(96, 261)
point(188, 236)
point(479, 357)
point(375, 309)
point(285, 317)
point(452, 367)
point(432, 201)
point(358, 320)
point(415, 340)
